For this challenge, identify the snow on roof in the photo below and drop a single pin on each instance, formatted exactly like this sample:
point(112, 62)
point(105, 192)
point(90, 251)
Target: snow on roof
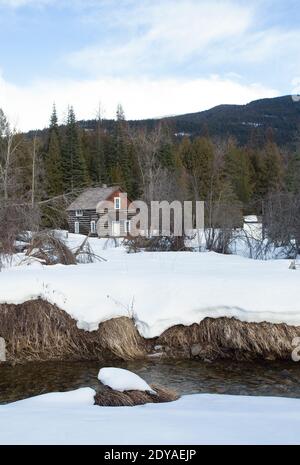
point(90, 198)
point(251, 219)
point(123, 380)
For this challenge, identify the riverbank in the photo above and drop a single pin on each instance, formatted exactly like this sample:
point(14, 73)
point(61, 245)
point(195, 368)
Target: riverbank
point(160, 290)
point(37, 330)
point(166, 304)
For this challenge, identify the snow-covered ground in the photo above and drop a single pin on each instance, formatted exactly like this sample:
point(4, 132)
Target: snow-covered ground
point(160, 289)
point(71, 418)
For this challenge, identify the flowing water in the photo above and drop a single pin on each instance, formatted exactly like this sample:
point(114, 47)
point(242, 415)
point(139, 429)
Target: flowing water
point(187, 377)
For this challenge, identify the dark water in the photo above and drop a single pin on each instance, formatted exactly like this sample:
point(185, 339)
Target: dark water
point(187, 377)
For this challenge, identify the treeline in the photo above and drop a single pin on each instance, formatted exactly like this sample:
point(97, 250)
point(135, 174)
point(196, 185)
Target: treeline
point(154, 165)
point(75, 158)
point(40, 174)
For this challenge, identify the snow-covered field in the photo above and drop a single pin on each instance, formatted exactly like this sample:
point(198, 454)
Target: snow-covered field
point(160, 289)
point(71, 418)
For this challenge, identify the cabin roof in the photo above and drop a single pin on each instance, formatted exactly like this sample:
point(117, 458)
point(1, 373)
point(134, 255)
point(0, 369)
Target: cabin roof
point(89, 199)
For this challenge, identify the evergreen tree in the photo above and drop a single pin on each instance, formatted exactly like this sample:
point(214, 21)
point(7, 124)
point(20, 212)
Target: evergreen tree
point(237, 170)
point(293, 173)
point(203, 154)
point(273, 167)
point(54, 119)
point(53, 159)
point(259, 173)
point(74, 164)
point(198, 158)
point(53, 165)
point(166, 152)
point(122, 160)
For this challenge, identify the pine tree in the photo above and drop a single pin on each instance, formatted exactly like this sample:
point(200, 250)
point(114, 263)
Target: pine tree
point(74, 164)
point(166, 152)
point(53, 159)
point(54, 119)
point(259, 173)
point(121, 160)
point(53, 165)
point(273, 166)
point(237, 170)
point(198, 159)
point(293, 173)
point(203, 153)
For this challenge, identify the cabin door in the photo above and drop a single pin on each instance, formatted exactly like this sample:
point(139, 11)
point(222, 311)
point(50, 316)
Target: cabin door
point(116, 230)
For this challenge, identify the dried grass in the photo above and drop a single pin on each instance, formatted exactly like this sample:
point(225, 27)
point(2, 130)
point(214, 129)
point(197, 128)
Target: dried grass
point(230, 338)
point(50, 250)
point(122, 339)
point(38, 330)
point(107, 397)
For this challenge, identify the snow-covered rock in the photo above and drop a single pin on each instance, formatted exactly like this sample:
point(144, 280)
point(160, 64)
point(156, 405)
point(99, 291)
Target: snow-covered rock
point(122, 380)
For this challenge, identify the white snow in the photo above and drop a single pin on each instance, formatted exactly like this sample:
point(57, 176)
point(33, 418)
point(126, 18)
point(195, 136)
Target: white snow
point(71, 418)
point(123, 380)
point(161, 289)
point(250, 219)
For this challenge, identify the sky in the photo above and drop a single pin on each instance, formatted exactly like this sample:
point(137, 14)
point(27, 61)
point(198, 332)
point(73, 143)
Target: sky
point(155, 57)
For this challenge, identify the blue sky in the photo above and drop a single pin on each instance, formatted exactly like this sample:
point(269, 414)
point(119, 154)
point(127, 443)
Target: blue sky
point(155, 57)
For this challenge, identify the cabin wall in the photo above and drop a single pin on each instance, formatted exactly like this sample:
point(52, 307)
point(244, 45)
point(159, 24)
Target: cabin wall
point(84, 221)
point(91, 215)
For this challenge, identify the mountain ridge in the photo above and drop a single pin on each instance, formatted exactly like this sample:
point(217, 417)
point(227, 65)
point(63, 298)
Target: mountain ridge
point(253, 119)
point(244, 122)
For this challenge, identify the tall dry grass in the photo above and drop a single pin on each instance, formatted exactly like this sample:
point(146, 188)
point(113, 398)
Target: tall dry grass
point(109, 398)
point(38, 330)
point(222, 338)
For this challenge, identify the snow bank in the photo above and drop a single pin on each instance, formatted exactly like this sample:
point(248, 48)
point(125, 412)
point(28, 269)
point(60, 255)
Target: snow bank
point(123, 380)
point(162, 289)
point(70, 418)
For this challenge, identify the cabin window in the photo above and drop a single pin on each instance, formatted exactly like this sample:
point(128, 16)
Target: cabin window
point(127, 226)
point(93, 227)
point(79, 213)
point(117, 203)
point(76, 227)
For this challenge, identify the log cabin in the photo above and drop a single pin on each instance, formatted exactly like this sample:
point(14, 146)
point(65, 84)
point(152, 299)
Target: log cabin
point(85, 211)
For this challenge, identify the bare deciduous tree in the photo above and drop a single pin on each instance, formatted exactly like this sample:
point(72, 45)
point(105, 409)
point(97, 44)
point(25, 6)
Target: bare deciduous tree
point(155, 179)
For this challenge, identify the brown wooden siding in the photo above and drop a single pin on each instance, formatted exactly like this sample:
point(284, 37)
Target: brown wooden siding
point(91, 215)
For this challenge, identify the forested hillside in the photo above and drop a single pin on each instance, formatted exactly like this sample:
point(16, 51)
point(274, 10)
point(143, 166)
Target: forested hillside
point(151, 162)
point(244, 122)
point(154, 164)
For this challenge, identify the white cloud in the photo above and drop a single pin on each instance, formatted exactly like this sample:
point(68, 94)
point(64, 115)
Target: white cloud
point(158, 38)
point(20, 3)
point(30, 106)
point(162, 33)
